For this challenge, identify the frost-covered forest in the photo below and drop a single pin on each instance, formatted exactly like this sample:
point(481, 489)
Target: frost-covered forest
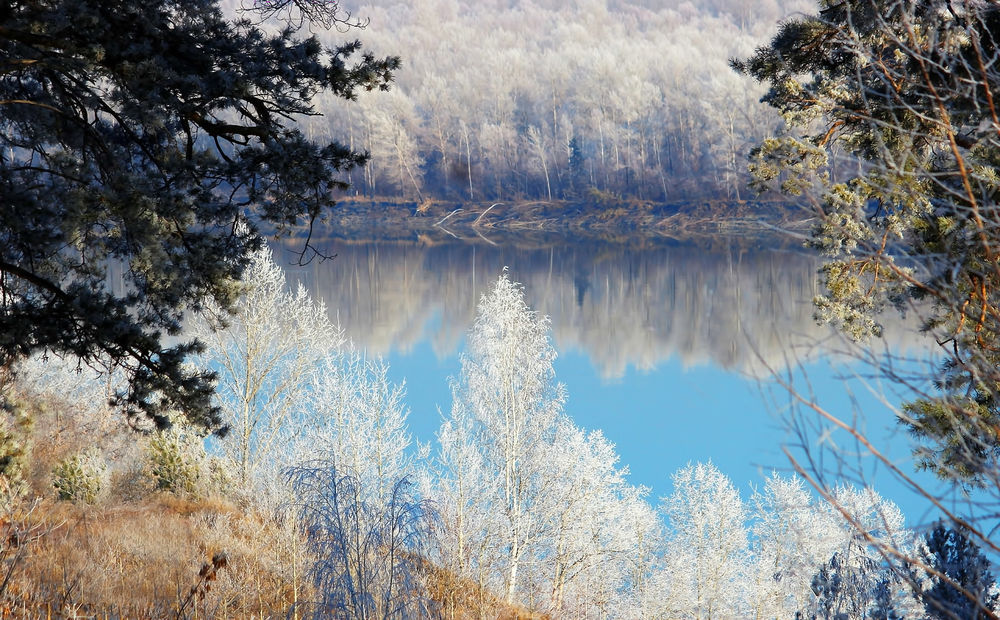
point(513, 507)
point(552, 100)
point(185, 432)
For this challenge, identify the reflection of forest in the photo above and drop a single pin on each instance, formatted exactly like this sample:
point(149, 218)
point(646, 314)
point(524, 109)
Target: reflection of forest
point(730, 302)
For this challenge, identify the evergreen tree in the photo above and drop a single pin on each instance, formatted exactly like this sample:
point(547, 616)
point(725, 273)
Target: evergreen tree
point(961, 584)
point(156, 140)
point(883, 600)
point(577, 173)
point(854, 587)
point(907, 88)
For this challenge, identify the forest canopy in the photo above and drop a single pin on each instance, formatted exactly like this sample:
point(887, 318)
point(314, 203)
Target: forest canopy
point(550, 100)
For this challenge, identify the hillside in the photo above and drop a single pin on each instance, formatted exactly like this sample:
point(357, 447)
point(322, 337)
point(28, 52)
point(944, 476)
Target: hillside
point(537, 100)
point(120, 547)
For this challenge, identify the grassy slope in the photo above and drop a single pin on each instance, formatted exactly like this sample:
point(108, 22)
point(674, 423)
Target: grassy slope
point(137, 553)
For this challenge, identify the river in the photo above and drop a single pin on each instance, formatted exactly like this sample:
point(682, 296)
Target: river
point(667, 346)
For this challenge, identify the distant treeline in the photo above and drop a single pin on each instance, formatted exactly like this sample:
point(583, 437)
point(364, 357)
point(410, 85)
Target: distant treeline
point(510, 99)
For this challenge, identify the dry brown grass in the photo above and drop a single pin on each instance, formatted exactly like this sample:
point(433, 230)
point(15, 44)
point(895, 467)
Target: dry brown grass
point(137, 554)
point(463, 599)
point(142, 560)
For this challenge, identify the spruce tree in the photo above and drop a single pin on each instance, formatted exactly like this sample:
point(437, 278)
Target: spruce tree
point(961, 584)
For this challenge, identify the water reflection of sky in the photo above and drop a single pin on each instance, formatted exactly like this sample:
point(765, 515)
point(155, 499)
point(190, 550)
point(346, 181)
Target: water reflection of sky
point(666, 347)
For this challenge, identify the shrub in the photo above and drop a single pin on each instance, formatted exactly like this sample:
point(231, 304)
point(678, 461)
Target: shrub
point(16, 423)
point(80, 478)
point(367, 548)
point(174, 459)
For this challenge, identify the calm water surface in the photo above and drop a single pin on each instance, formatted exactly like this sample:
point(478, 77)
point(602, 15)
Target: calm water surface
point(668, 347)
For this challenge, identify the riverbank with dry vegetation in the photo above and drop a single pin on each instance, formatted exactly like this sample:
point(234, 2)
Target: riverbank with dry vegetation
point(100, 521)
point(600, 214)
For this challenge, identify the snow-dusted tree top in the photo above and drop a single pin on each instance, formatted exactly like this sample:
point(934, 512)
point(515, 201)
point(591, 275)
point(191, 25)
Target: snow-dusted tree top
point(541, 512)
point(264, 354)
point(498, 100)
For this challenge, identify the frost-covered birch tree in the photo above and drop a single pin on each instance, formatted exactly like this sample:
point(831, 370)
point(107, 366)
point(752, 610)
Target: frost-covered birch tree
point(856, 580)
point(356, 421)
point(804, 556)
point(792, 538)
point(506, 404)
point(264, 354)
point(531, 505)
point(354, 491)
point(707, 555)
point(464, 493)
point(599, 528)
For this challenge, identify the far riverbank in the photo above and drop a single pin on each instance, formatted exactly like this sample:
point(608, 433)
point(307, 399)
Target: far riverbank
point(601, 218)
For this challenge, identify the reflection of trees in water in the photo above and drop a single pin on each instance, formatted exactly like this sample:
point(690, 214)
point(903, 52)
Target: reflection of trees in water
point(730, 303)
